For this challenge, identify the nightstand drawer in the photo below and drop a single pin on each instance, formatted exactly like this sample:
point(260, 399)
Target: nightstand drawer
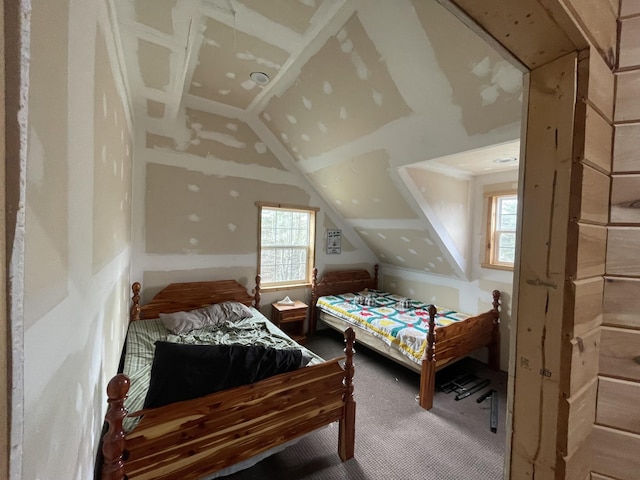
point(293, 315)
point(290, 318)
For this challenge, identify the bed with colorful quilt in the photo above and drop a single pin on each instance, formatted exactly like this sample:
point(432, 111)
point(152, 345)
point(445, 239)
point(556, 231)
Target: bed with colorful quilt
point(421, 336)
point(210, 386)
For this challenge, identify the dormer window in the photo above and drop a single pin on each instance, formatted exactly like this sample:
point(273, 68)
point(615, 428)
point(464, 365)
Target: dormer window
point(501, 231)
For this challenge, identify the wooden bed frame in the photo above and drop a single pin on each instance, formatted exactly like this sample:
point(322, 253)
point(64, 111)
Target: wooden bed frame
point(194, 438)
point(445, 345)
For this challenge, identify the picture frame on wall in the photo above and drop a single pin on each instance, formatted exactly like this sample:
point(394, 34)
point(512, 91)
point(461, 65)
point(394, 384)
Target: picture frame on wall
point(334, 241)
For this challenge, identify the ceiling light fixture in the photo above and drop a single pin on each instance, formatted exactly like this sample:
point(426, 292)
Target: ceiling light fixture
point(260, 78)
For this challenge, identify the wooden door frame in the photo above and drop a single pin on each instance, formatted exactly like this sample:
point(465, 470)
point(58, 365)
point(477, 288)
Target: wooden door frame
point(15, 77)
point(549, 444)
point(5, 341)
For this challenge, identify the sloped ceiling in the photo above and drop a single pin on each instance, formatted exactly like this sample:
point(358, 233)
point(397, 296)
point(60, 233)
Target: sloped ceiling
point(378, 103)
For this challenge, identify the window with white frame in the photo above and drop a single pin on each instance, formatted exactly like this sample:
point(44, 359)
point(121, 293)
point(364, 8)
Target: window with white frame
point(286, 245)
point(501, 230)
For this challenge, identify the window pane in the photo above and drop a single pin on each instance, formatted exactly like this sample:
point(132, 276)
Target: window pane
point(267, 273)
point(507, 222)
point(506, 255)
point(268, 256)
point(284, 219)
point(268, 237)
point(508, 205)
point(268, 218)
point(507, 240)
point(503, 218)
point(283, 236)
point(285, 243)
point(299, 237)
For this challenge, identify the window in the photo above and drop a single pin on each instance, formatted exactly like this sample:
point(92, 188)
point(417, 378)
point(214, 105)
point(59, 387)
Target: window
point(287, 240)
point(501, 231)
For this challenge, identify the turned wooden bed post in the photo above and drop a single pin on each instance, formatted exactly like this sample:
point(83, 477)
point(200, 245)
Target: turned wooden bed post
point(257, 295)
point(113, 441)
point(314, 298)
point(347, 425)
point(376, 267)
point(494, 346)
point(135, 308)
point(428, 375)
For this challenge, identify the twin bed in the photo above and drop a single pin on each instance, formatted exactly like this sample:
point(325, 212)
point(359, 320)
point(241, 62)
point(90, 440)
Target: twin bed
point(422, 337)
point(162, 425)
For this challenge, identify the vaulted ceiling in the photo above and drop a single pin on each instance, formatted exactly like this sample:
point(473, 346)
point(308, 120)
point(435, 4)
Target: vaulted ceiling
point(390, 109)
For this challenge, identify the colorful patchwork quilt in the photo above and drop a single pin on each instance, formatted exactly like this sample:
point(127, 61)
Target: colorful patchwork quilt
point(398, 321)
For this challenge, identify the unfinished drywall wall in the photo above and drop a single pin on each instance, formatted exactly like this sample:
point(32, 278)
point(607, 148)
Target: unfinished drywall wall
point(488, 90)
point(342, 93)
point(77, 228)
point(195, 213)
point(448, 199)
point(357, 90)
point(113, 153)
point(240, 54)
point(360, 189)
point(47, 169)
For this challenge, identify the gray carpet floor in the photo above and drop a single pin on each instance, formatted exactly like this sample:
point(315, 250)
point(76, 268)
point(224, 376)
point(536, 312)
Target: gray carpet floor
point(395, 437)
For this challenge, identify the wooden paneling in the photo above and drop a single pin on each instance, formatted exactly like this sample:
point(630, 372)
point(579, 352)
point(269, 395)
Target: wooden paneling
point(619, 404)
point(588, 305)
point(620, 353)
point(584, 360)
point(612, 453)
point(598, 20)
point(575, 466)
point(626, 154)
point(592, 242)
point(594, 205)
point(629, 43)
point(625, 199)
point(598, 141)
point(623, 251)
point(525, 27)
point(582, 412)
point(599, 89)
point(627, 98)
point(621, 302)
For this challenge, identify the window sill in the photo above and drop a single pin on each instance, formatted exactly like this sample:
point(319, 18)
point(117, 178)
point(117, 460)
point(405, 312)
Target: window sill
point(508, 268)
point(276, 288)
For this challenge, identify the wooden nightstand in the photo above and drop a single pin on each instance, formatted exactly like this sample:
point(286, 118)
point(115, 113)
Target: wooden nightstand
point(290, 319)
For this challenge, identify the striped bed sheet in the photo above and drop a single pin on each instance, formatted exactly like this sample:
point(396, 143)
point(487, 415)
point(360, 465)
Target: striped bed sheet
point(142, 335)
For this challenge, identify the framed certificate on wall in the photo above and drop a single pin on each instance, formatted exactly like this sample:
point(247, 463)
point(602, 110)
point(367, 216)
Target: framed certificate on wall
point(334, 241)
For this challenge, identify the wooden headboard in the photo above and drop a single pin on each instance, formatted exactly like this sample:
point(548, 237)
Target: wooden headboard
point(340, 281)
point(177, 297)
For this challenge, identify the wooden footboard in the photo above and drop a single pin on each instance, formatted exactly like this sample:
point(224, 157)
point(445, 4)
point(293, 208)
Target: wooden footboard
point(445, 345)
point(190, 439)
